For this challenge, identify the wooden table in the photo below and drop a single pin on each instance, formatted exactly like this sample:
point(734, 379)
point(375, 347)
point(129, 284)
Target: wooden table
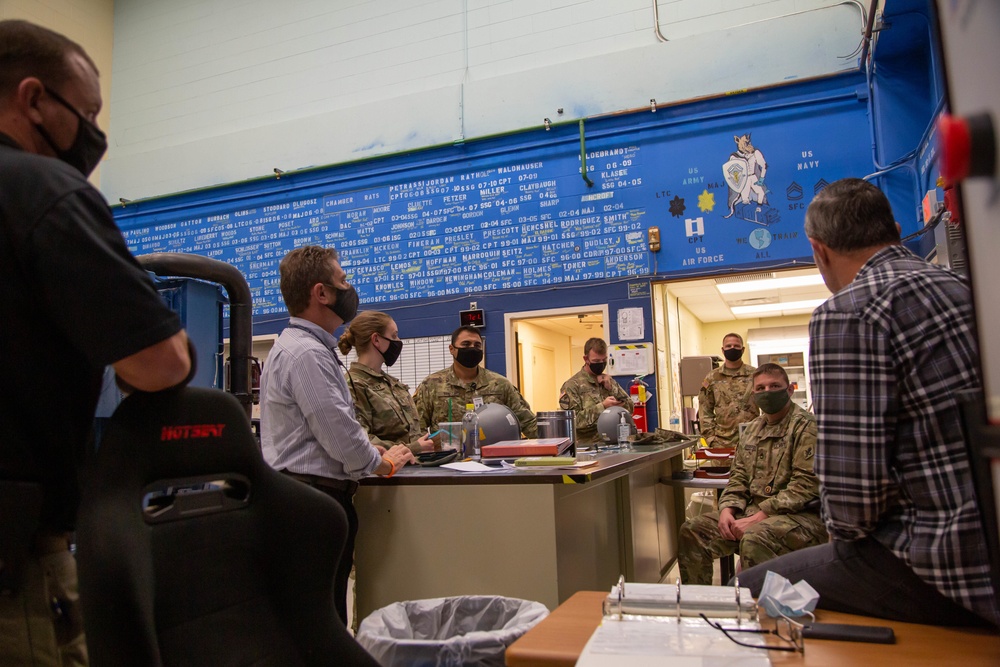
point(560, 638)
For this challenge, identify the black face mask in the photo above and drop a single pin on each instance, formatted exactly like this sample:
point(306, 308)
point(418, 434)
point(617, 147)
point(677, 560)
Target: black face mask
point(88, 147)
point(733, 353)
point(598, 367)
point(469, 356)
point(391, 353)
point(346, 306)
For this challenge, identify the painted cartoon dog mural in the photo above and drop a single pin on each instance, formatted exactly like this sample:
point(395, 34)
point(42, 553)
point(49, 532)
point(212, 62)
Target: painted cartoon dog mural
point(744, 174)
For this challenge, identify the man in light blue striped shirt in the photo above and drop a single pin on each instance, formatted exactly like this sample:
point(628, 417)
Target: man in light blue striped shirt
point(308, 427)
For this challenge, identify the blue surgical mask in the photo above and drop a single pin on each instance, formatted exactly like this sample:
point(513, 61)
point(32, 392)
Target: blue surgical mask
point(779, 597)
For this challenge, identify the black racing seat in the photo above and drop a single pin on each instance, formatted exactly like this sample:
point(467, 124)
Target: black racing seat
point(193, 551)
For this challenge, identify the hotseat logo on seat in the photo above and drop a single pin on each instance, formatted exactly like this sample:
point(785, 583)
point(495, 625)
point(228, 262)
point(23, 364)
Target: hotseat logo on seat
point(188, 431)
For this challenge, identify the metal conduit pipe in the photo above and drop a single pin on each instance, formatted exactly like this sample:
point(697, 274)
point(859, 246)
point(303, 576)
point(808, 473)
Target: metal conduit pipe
point(183, 265)
point(865, 20)
point(656, 22)
point(583, 158)
point(869, 26)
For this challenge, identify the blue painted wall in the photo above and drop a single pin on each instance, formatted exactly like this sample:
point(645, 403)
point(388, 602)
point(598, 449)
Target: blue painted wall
point(907, 94)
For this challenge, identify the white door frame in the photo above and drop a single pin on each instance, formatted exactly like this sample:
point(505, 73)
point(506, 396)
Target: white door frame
point(508, 328)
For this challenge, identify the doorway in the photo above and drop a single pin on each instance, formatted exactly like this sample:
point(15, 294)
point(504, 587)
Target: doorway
point(545, 348)
point(769, 309)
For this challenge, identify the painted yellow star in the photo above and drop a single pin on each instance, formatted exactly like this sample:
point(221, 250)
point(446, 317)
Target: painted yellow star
point(706, 201)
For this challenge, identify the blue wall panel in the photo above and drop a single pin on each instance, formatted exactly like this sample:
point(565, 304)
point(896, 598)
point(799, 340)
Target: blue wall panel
point(907, 87)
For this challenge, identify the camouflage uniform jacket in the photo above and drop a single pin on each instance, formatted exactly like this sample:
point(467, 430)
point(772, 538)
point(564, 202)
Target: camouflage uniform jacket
point(585, 398)
point(724, 403)
point(442, 397)
point(773, 468)
point(384, 407)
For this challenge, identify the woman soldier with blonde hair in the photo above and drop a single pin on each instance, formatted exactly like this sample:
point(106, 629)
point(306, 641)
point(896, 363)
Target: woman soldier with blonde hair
point(383, 404)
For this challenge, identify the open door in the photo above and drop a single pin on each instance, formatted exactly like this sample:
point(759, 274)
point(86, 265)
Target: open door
point(545, 348)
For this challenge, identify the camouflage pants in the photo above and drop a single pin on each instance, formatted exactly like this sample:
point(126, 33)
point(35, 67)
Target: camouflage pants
point(700, 542)
point(29, 632)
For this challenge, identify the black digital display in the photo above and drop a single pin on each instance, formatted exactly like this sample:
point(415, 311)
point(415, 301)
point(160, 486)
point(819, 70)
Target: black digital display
point(473, 318)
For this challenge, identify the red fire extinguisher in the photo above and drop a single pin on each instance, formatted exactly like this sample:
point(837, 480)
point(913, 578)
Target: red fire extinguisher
point(637, 391)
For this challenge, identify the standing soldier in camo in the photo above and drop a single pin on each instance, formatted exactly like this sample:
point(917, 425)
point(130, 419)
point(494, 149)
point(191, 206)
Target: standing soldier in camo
point(724, 400)
point(770, 506)
point(590, 391)
point(382, 403)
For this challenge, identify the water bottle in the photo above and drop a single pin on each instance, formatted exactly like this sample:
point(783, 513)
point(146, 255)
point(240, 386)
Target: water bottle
point(675, 421)
point(624, 431)
point(470, 433)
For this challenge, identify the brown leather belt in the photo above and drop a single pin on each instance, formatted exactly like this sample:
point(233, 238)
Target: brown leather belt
point(347, 486)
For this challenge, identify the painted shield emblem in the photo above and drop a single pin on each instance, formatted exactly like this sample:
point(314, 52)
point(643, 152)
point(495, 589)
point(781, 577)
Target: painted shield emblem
point(735, 173)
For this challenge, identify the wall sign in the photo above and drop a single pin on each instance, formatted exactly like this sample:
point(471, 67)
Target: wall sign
point(631, 325)
point(639, 290)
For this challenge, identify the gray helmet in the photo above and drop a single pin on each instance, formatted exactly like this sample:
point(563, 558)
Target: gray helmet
point(496, 423)
point(607, 423)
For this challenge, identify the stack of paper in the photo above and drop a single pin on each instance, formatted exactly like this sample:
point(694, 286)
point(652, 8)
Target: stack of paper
point(654, 642)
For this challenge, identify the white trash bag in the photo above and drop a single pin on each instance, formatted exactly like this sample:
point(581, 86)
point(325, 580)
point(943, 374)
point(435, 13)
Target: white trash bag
point(448, 632)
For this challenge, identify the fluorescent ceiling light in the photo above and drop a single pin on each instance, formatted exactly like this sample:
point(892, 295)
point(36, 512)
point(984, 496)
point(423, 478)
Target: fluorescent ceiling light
point(776, 307)
point(769, 284)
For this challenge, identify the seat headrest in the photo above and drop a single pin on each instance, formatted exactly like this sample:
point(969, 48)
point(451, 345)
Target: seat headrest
point(177, 433)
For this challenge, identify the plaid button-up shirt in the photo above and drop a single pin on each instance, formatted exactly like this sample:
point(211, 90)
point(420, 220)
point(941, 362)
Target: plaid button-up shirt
point(889, 354)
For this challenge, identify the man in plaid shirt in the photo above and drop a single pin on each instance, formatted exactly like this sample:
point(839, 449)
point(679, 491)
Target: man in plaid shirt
point(889, 353)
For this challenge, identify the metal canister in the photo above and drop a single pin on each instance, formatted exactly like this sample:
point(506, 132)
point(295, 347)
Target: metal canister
point(557, 424)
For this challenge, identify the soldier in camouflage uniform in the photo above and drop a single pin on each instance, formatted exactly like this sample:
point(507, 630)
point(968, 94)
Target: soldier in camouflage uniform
point(724, 400)
point(382, 403)
point(770, 506)
point(384, 408)
point(442, 396)
point(590, 391)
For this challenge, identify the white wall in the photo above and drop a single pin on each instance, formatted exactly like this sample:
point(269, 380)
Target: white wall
point(713, 333)
point(215, 91)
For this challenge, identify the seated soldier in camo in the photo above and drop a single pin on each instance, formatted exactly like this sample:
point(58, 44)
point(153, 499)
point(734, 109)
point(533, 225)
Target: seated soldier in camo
point(770, 506)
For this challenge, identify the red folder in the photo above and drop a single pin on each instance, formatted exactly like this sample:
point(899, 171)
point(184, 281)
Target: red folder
point(529, 447)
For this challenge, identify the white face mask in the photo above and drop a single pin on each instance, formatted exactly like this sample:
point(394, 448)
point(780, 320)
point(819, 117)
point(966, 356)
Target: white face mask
point(780, 597)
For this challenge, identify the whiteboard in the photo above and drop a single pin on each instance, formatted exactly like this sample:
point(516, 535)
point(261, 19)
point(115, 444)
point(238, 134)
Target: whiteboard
point(420, 357)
